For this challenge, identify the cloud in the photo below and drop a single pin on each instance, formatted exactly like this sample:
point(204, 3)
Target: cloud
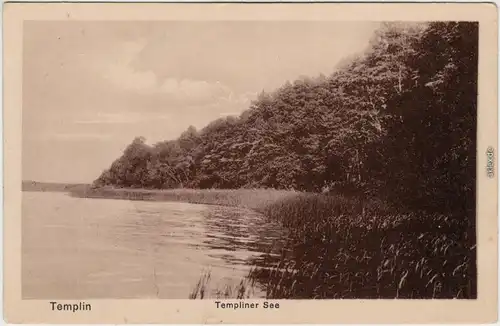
point(78, 136)
point(122, 75)
point(111, 118)
point(195, 90)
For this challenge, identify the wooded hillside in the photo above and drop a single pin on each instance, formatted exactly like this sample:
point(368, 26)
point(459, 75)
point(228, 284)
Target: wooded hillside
point(398, 122)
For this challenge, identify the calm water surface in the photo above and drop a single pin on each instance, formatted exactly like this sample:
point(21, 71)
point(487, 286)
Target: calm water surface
point(98, 248)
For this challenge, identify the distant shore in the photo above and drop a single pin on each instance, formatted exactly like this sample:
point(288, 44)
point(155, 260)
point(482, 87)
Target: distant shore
point(28, 185)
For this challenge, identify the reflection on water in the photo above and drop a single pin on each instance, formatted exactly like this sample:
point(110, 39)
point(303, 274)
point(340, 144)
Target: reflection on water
point(97, 248)
point(241, 231)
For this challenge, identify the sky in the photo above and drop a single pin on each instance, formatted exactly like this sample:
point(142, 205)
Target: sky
point(89, 88)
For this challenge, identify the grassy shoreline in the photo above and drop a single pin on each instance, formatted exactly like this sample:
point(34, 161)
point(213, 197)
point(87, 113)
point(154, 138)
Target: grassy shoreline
point(255, 199)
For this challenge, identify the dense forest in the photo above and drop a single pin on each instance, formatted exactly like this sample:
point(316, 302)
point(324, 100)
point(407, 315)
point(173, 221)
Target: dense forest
point(398, 121)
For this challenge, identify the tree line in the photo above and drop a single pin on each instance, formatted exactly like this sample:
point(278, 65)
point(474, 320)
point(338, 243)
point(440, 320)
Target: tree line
point(398, 121)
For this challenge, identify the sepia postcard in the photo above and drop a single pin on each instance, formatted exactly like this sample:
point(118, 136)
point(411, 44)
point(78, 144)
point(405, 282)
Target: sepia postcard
point(228, 163)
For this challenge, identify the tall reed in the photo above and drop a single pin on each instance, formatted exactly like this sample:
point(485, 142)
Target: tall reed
point(349, 248)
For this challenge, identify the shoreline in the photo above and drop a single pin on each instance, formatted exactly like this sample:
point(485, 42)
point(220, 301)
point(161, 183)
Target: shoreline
point(253, 199)
point(322, 229)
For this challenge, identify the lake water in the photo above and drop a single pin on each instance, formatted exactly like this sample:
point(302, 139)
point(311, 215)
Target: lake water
point(76, 248)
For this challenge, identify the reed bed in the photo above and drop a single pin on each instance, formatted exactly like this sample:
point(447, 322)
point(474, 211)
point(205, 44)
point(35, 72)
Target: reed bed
point(344, 248)
point(204, 289)
point(350, 248)
point(255, 199)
